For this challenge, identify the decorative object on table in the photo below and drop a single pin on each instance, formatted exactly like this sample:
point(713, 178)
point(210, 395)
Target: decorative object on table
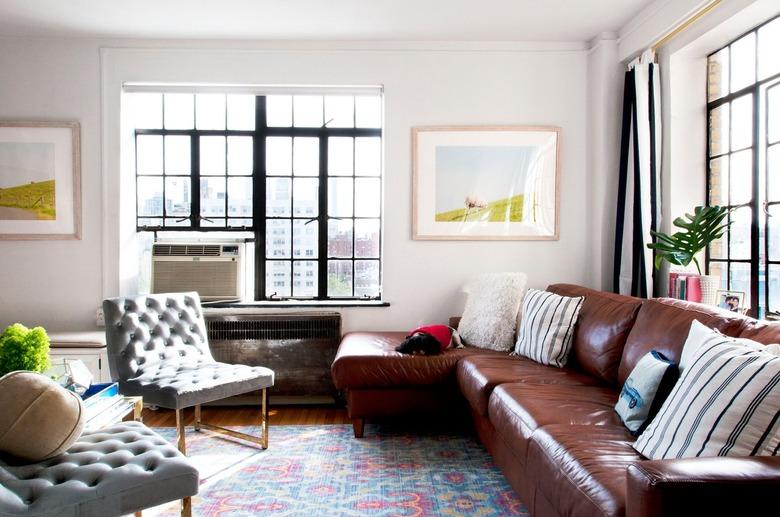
point(71, 374)
point(430, 340)
point(688, 286)
point(40, 180)
point(727, 400)
point(547, 328)
point(104, 405)
point(483, 182)
point(40, 419)
point(158, 349)
point(699, 230)
point(733, 301)
point(492, 307)
point(650, 382)
point(24, 349)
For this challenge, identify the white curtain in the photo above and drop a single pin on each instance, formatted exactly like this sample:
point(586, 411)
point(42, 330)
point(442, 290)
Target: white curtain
point(639, 196)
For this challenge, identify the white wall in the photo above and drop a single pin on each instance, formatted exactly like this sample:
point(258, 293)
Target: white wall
point(60, 284)
point(604, 104)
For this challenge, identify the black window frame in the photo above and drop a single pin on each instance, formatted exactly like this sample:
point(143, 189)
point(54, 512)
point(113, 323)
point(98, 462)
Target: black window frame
point(259, 215)
point(759, 295)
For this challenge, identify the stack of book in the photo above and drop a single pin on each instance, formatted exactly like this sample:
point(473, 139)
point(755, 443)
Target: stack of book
point(104, 405)
point(685, 286)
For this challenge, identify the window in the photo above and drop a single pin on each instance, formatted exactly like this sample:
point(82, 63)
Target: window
point(743, 172)
point(300, 172)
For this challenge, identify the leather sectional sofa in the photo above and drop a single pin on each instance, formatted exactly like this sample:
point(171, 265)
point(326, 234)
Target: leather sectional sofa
point(554, 432)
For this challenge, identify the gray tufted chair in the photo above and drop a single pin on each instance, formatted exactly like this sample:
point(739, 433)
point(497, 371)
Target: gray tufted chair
point(117, 470)
point(158, 349)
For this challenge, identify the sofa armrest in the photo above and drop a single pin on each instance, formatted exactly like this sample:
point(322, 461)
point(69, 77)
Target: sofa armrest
point(703, 486)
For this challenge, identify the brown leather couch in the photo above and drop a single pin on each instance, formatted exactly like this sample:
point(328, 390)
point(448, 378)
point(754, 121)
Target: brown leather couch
point(554, 432)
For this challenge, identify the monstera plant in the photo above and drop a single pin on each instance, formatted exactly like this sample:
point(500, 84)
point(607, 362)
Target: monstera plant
point(698, 230)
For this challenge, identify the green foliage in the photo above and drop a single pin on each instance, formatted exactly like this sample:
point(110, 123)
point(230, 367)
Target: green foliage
point(24, 349)
point(38, 198)
point(700, 229)
point(509, 209)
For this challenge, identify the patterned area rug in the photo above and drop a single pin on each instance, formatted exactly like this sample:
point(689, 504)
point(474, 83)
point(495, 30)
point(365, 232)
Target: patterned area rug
point(322, 470)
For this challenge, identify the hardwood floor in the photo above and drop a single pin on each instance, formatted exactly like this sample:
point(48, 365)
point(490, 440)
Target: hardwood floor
point(250, 415)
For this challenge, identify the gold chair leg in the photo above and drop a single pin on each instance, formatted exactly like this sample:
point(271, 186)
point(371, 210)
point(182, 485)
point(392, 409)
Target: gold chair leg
point(264, 420)
point(180, 432)
point(197, 417)
point(186, 507)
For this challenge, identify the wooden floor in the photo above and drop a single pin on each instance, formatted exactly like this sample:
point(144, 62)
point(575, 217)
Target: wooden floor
point(250, 415)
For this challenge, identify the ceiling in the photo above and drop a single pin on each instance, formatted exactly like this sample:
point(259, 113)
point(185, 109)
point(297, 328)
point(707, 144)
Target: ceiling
point(380, 20)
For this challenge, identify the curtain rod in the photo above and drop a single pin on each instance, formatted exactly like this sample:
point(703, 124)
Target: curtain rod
point(669, 36)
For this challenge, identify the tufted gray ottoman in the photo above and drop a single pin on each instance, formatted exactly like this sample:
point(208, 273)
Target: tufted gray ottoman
point(114, 471)
point(158, 349)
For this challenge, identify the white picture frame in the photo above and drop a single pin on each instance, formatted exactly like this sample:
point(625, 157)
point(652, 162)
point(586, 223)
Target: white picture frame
point(40, 180)
point(474, 182)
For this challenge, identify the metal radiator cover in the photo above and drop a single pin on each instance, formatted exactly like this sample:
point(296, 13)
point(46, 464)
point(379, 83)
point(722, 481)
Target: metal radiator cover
point(299, 347)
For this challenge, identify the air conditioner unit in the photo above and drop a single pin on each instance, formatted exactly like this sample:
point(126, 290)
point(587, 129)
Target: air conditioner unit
point(213, 270)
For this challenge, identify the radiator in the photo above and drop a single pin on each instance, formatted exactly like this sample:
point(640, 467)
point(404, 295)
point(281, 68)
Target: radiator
point(299, 347)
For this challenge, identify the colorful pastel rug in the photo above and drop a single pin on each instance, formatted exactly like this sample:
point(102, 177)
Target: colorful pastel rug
point(322, 470)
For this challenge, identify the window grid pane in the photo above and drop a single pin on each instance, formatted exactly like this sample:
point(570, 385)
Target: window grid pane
point(742, 119)
point(218, 130)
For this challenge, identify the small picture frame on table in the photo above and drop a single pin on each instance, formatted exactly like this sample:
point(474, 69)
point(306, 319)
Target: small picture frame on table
point(733, 301)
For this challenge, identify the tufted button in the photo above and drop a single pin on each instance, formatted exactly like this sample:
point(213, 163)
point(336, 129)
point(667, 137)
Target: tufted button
point(119, 325)
point(181, 314)
point(127, 307)
point(162, 356)
point(167, 303)
point(132, 335)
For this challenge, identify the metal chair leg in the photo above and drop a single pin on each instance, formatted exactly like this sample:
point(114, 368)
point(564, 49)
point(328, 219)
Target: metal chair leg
point(264, 420)
point(197, 417)
point(180, 432)
point(186, 507)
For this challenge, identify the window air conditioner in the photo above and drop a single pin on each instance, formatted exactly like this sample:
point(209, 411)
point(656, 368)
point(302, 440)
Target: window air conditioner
point(213, 270)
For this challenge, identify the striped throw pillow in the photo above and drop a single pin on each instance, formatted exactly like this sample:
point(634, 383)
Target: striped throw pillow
point(726, 403)
point(547, 327)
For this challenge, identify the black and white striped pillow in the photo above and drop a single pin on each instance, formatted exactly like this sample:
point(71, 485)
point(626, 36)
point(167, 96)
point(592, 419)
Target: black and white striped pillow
point(547, 327)
point(726, 403)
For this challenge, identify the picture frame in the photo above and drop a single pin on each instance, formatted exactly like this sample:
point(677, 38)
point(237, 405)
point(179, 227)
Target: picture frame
point(40, 180)
point(733, 301)
point(474, 182)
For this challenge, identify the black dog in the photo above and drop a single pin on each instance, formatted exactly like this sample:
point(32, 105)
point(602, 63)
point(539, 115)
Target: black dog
point(419, 343)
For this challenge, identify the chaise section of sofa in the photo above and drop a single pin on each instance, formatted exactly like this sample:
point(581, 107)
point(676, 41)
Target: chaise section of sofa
point(379, 382)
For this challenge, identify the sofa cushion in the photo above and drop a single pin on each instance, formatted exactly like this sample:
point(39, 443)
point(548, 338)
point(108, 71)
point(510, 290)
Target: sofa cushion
point(663, 325)
point(604, 323)
point(518, 410)
point(581, 469)
point(369, 360)
point(478, 375)
point(547, 327)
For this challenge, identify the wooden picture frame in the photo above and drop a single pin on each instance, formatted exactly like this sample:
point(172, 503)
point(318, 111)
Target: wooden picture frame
point(40, 180)
point(475, 183)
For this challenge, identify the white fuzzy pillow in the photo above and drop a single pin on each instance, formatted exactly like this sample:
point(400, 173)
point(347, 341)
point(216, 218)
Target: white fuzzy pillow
point(490, 317)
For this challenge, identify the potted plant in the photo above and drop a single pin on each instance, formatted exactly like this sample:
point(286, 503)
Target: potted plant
point(698, 230)
point(24, 349)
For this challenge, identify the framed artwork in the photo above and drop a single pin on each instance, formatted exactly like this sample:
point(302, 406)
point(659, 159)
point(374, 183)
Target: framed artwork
point(40, 180)
point(486, 183)
point(733, 301)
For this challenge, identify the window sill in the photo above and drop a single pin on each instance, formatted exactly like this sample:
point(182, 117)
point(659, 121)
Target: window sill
point(249, 307)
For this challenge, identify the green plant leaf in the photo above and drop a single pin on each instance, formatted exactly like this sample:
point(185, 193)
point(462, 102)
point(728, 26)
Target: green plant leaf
point(702, 227)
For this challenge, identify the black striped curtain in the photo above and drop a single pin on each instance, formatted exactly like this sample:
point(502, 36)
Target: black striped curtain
point(639, 200)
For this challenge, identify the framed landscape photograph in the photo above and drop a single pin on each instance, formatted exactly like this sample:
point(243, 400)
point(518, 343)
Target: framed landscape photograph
point(488, 183)
point(40, 180)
